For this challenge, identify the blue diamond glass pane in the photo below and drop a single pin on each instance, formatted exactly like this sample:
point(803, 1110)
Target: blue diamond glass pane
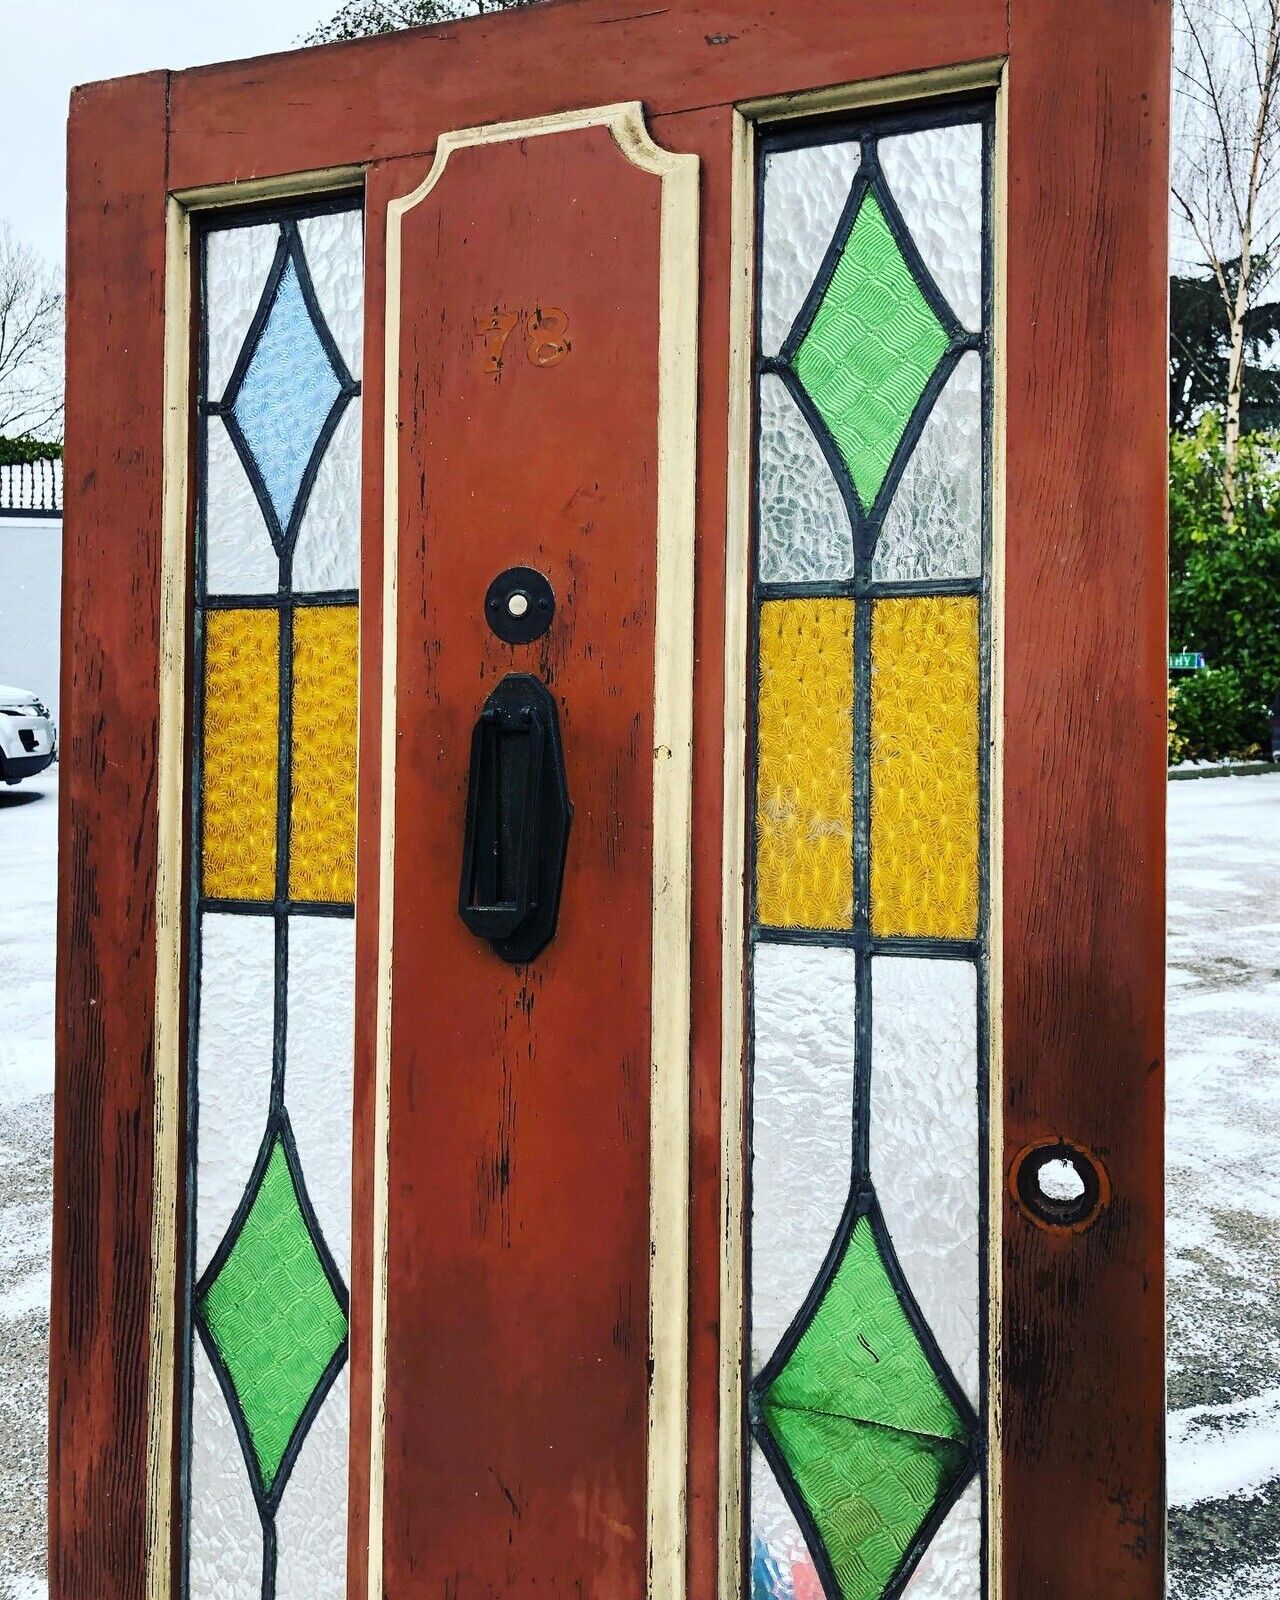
point(287, 393)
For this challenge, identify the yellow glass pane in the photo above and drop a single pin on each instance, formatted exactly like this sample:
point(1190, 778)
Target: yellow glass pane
point(322, 810)
point(804, 765)
point(924, 767)
point(241, 753)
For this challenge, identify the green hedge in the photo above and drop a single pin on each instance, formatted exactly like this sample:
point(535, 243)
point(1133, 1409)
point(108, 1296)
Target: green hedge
point(1224, 594)
point(14, 452)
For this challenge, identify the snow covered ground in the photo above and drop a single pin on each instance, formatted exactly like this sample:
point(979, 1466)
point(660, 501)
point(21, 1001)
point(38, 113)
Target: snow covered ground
point(1223, 1170)
point(28, 849)
point(1223, 1173)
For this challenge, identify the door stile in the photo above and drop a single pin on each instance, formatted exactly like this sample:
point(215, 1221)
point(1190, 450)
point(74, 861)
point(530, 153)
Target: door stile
point(672, 763)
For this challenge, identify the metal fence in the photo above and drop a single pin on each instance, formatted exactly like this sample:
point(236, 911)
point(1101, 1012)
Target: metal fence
point(31, 489)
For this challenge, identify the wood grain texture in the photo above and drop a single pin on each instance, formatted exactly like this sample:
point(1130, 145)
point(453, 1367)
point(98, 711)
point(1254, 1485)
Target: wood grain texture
point(103, 1124)
point(395, 94)
point(1084, 787)
point(519, 1162)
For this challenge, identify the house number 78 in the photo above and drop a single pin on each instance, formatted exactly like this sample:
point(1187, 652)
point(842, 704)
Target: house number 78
point(545, 330)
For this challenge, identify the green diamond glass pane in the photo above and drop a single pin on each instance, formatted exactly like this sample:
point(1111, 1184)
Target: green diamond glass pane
point(273, 1316)
point(860, 1357)
point(869, 1433)
point(871, 348)
point(869, 1489)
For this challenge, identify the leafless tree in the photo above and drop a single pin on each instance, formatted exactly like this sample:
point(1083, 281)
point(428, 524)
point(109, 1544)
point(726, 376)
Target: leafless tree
point(1226, 154)
point(31, 322)
point(357, 19)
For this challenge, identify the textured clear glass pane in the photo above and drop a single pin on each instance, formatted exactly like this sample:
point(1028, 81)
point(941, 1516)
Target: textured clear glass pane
point(239, 555)
point(237, 261)
point(311, 1524)
point(285, 398)
point(935, 175)
point(804, 528)
point(933, 527)
point(924, 1141)
point(327, 553)
point(781, 1566)
point(318, 1072)
point(951, 1567)
point(233, 1077)
point(804, 194)
point(334, 250)
point(802, 1126)
point(225, 1539)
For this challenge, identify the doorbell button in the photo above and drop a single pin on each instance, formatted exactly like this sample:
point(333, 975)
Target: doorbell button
point(519, 605)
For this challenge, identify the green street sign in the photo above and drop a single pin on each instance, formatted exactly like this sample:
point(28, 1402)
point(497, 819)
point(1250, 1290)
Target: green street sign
point(1186, 661)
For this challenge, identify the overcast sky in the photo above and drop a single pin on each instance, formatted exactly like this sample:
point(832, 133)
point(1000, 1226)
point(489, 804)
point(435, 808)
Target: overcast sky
point(48, 46)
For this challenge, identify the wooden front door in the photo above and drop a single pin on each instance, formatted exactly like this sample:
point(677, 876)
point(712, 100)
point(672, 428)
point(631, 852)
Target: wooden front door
point(615, 1052)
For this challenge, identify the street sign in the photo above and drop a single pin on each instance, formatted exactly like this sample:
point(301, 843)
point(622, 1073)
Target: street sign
point(1186, 661)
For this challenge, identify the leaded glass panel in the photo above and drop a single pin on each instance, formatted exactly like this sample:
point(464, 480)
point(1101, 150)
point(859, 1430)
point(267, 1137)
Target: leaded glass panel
point(866, 1448)
point(271, 965)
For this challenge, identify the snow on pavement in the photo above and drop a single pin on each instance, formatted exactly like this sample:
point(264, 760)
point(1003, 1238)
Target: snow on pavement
point(28, 848)
point(1223, 1201)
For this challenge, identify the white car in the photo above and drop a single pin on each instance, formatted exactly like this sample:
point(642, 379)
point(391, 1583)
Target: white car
point(28, 738)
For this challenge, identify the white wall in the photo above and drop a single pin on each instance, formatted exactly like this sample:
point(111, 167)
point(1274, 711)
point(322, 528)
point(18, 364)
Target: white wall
point(30, 604)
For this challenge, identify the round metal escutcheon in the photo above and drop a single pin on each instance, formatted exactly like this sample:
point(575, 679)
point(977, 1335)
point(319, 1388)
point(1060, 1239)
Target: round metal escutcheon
point(1059, 1185)
point(519, 605)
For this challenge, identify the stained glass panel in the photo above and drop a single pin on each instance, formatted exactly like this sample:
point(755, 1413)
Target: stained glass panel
point(935, 176)
point(235, 1049)
point(781, 1564)
point(241, 753)
point(873, 345)
point(933, 527)
point(924, 766)
point(804, 528)
point(804, 193)
point(270, 1310)
point(805, 1022)
point(804, 758)
point(322, 804)
point(866, 1310)
point(224, 1533)
point(311, 1522)
point(924, 1141)
point(951, 1566)
point(271, 968)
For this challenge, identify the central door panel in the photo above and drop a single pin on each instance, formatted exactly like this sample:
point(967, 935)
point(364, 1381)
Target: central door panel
point(519, 1149)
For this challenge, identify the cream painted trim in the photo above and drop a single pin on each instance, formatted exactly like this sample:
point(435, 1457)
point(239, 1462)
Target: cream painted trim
point(256, 191)
point(734, 887)
point(995, 839)
point(903, 87)
point(672, 801)
point(171, 859)
point(170, 875)
point(751, 115)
